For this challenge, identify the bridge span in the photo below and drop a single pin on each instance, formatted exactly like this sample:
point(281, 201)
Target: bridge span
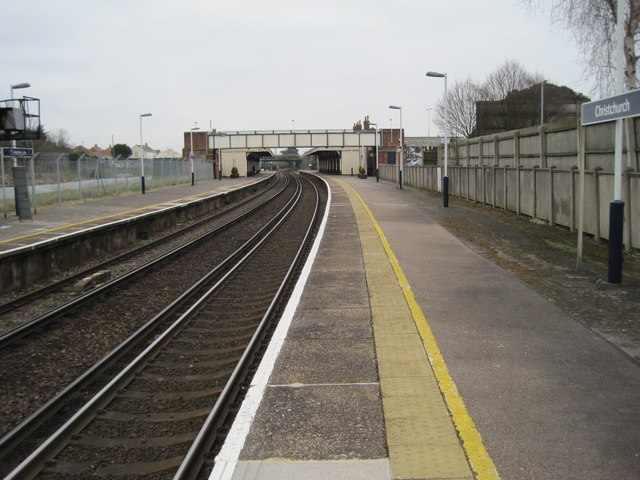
point(240, 149)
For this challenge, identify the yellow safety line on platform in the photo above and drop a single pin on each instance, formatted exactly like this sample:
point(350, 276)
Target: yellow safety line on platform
point(472, 444)
point(40, 232)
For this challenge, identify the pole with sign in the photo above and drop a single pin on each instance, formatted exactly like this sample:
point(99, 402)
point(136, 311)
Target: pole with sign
point(616, 108)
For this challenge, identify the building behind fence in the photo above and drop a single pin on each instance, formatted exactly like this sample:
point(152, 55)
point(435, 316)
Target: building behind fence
point(57, 178)
point(535, 172)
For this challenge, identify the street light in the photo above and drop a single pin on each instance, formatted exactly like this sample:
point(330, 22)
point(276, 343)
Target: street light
point(142, 153)
point(377, 171)
point(193, 176)
point(395, 107)
point(542, 102)
point(429, 121)
point(18, 86)
point(445, 178)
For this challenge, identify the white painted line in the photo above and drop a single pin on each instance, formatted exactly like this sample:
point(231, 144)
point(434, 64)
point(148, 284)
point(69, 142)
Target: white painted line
point(227, 460)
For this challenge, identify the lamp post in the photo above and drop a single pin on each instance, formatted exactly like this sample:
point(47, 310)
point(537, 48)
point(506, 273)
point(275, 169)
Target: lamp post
point(193, 176)
point(16, 87)
point(429, 121)
point(542, 102)
point(395, 107)
point(445, 178)
point(377, 171)
point(142, 115)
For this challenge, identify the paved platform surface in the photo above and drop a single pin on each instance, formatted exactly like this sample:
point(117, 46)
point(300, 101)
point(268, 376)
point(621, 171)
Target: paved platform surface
point(408, 355)
point(55, 220)
point(528, 392)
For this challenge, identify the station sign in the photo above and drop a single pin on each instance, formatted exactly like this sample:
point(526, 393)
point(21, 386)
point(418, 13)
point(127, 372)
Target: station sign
point(17, 152)
point(619, 106)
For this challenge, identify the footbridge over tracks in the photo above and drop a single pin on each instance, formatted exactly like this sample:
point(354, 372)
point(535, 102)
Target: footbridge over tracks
point(239, 147)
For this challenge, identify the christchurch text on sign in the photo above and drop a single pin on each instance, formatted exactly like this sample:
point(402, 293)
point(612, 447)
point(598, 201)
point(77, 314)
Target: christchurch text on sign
point(624, 105)
point(612, 108)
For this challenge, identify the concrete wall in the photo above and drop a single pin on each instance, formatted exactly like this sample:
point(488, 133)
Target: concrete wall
point(552, 145)
point(24, 266)
point(234, 158)
point(350, 161)
point(534, 172)
point(548, 194)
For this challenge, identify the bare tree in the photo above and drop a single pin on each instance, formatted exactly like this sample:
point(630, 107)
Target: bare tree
point(462, 109)
point(60, 138)
point(593, 23)
point(499, 85)
point(507, 78)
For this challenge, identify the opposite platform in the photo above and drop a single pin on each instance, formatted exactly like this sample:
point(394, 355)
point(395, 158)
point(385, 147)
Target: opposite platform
point(57, 220)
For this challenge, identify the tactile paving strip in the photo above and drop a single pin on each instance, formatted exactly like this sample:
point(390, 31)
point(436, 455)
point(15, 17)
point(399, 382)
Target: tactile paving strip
point(422, 439)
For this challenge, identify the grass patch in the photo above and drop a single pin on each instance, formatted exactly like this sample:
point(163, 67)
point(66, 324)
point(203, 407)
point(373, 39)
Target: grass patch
point(562, 247)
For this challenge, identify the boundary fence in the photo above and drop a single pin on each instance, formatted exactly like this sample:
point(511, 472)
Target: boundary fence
point(59, 178)
point(535, 173)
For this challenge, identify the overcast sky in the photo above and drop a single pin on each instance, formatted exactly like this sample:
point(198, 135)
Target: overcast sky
point(259, 64)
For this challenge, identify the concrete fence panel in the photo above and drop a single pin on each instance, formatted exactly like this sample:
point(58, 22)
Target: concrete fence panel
point(551, 195)
point(564, 198)
point(632, 217)
point(535, 173)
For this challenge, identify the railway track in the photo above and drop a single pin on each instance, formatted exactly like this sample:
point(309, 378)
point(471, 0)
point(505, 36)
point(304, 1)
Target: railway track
point(63, 288)
point(226, 339)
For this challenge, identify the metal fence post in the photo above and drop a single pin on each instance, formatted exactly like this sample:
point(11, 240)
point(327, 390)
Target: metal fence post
point(80, 176)
point(58, 186)
point(96, 178)
point(115, 174)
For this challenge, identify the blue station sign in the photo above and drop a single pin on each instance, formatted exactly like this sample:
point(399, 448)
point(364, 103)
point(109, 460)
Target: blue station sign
point(620, 106)
point(17, 152)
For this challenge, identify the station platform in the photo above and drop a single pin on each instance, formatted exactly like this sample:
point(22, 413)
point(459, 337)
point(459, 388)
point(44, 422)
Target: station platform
point(405, 354)
point(56, 220)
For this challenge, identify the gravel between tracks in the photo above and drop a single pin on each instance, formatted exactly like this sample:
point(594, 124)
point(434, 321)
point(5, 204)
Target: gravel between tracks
point(44, 364)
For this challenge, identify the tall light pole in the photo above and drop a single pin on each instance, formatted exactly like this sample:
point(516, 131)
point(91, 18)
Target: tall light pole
point(16, 87)
point(193, 176)
point(395, 107)
point(445, 178)
point(142, 115)
point(429, 121)
point(542, 102)
point(377, 171)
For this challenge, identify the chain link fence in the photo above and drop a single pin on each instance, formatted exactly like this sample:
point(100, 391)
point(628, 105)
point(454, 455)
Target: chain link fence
point(56, 178)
